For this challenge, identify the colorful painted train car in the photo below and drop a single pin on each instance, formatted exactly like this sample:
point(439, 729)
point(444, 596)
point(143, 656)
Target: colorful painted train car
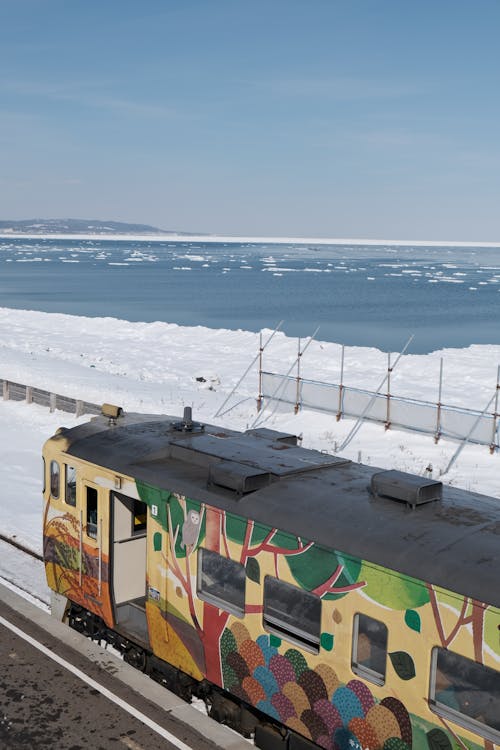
point(312, 600)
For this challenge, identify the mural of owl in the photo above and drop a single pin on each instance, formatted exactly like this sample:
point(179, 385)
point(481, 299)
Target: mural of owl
point(190, 530)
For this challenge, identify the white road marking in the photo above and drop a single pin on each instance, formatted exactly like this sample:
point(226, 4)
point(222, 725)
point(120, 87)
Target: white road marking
point(96, 686)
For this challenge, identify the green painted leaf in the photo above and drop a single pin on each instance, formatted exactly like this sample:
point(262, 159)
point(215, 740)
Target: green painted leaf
point(274, 641)
point(259, 533)
point(286, 541)
point(412, 619)
point(236, 528)
point(326, 641)
point(438, 740)
point(403, 665)
point(253, 569)
point(398, 592)
point(315, 566)
point(157, 541)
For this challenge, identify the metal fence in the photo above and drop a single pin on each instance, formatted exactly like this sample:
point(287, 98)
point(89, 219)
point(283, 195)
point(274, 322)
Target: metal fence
point(20, 392)
point(436, 419)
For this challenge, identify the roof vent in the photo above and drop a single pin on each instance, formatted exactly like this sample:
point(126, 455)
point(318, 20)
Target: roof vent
point(187, 424)
point(408, 488)
point(237, 477)
point(273, 435)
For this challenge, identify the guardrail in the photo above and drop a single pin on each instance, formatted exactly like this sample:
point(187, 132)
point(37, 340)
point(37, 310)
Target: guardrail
point(19, 392)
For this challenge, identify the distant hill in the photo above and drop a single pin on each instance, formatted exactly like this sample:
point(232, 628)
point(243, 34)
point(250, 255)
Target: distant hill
point(77, 226)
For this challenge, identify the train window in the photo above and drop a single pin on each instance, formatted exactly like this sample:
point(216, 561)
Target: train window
point(466, 692)
point(54, 478)
point(139, 517)
point(369, 648)
point(292, 613)
point(221, 581)
point(70, 485)
point(91, 512)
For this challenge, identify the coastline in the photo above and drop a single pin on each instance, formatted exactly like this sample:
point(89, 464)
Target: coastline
point(238, 240)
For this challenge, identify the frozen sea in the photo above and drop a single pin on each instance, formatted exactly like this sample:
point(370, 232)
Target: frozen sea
point(372, 295)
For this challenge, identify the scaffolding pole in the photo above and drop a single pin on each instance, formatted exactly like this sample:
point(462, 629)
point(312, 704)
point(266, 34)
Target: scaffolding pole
point(468, 436)
point(437, 434)
point(341, 385)
point(388, 412)
point(493, 444)
point(283, 379)
point(370, 403)
point(297, 393)
point(259, 354)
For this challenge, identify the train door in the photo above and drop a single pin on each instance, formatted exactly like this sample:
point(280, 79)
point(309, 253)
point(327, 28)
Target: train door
point(92, 502)
point(128, 565)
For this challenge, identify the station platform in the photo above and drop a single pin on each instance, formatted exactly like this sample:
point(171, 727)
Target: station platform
point(60, 690)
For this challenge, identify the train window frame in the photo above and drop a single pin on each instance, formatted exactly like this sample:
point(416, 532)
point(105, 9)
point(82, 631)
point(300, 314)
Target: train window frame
point(139, 508)
point(55, 479)
point(359, 668)
point(234, 572)
point(456, 715)
point(91, 525)
point(69, 488)
point(278, 621)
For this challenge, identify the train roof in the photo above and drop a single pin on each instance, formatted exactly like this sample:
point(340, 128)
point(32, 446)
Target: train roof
point(453, 542)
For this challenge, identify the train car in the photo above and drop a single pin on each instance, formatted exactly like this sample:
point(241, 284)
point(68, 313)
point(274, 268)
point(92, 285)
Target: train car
point(313, 601)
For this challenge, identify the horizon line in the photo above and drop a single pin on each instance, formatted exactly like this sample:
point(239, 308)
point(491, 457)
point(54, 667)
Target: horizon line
point(241, 239)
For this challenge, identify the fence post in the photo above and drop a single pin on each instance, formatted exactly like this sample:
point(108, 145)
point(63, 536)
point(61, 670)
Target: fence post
point(361, 418)
point(259, 397)
point(272, 397)
point(29, 394)
point(219, 410)
point(469, 434)
point(79, 407)
point(341, 386)
point(52, 402)
point(437, 434)
point(493, 444)
point(297, 392)
point(5, 390)
point(388, 414)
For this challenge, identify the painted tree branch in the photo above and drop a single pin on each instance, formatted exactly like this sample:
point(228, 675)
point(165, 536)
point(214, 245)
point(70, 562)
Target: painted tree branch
point(328, 586)
point(476, 618)
point(185, 581)
point(457, 738)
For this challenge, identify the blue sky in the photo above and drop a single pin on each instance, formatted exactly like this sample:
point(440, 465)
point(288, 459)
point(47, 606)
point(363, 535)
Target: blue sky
point(323, 118)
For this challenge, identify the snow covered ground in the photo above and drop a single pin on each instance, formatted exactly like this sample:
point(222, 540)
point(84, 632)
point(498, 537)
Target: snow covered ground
point(161, 367)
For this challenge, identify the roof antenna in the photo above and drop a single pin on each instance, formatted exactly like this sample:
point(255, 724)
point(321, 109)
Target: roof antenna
point(187, 424)
point(187, 419)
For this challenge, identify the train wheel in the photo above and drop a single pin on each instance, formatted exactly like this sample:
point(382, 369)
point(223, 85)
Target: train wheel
point(136, 657)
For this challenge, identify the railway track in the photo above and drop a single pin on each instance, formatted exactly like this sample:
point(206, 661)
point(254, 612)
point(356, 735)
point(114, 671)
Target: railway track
point(15, 572)
point(21, 547)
